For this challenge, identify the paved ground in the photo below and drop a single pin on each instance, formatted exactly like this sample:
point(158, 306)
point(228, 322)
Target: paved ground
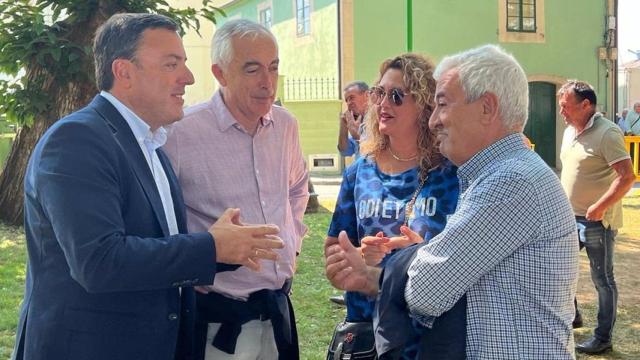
point(327, 187)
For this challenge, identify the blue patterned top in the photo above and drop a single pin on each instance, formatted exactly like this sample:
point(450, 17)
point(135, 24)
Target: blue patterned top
point(371, 201)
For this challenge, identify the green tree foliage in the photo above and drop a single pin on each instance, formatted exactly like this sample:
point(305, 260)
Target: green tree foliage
point(45, 47)
point(38, 33)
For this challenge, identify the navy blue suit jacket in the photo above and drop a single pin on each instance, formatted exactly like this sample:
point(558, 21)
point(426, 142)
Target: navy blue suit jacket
point(104, 274)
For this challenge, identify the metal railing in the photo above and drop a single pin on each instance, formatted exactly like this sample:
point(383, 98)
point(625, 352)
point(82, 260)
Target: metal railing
point(635, 153)
point(311, 89)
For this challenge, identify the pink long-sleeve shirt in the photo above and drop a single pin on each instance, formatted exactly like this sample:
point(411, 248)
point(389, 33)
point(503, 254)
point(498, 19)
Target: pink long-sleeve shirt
point(220, 165)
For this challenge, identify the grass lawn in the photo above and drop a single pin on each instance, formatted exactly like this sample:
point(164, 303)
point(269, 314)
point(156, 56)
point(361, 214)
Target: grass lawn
point(12, 276)
point(5, 146)
point(316, 316)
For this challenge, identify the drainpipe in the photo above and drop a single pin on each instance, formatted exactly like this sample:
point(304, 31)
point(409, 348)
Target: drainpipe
point(339, 15)
point(611, 44)
point(409, 25)
point(615, 60)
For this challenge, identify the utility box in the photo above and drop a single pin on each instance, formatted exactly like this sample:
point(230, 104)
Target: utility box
point(324, 162)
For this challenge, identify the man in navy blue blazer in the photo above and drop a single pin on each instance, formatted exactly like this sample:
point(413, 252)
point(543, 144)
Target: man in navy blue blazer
point(111, 266)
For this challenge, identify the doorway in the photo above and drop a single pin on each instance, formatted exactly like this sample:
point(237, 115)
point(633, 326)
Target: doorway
point(541, 126)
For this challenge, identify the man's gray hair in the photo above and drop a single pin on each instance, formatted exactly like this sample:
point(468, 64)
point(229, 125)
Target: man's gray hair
point(490, 68)
point(222, 42)
point(360, 85)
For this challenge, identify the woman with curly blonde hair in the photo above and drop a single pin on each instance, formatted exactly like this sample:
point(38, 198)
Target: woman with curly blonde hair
point(400, 183)
point(416, 72)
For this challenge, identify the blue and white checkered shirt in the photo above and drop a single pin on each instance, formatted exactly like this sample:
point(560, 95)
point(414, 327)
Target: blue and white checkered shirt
point(512, 247)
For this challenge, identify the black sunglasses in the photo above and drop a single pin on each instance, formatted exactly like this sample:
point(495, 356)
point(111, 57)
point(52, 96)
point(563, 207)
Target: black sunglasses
point(377, 94)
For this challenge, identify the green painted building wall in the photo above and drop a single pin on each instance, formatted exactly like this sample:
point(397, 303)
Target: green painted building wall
point(379, 32)
point(566, 46)
point(309, 56)
point(242, 9)
point(567, 52)
point(573, 32)
point(318, 125)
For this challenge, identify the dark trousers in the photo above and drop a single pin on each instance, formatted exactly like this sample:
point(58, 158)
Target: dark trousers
point(599, 243)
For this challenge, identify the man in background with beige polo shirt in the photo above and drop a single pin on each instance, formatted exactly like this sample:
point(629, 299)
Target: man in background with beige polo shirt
point(596, 174)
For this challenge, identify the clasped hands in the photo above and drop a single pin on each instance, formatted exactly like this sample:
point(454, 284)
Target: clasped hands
point(353, 269)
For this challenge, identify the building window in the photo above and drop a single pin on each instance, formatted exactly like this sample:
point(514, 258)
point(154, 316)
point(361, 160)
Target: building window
point(303, 16)
point(521, 15)
point(265, 17)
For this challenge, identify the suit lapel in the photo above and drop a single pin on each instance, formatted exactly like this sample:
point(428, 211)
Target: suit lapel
point(127, 141)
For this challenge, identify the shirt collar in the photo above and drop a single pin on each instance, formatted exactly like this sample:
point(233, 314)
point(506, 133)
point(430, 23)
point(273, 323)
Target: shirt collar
point(589, 124)
point(224, 116)
point(141, 130)
point(477, 164)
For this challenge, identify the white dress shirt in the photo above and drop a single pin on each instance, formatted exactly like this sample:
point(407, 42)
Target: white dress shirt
point(149, 141)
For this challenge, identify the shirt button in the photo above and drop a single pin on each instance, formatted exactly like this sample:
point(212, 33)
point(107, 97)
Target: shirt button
point(257, 172)
point(173, 317)
point(263, 203)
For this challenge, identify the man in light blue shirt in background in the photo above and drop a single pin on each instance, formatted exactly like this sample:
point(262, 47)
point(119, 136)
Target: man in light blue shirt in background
point(633, 120)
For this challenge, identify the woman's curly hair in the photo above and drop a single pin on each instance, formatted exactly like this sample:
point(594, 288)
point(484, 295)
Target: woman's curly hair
point(417, 76)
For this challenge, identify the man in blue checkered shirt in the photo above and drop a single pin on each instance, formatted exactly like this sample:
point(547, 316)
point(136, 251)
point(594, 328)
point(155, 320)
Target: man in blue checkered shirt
point(511, 244)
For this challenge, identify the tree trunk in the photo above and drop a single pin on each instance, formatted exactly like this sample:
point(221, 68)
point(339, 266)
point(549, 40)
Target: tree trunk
point(12, 178)
point(67, 98)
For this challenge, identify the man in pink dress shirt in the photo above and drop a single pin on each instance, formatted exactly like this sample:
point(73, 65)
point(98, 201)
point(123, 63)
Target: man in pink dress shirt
point(240, 150)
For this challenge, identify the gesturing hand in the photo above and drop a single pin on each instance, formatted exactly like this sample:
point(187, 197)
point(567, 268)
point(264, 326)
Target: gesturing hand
point(345, 268)
point(408, 237)
point(353, 125)
point(374, 248)
point(237, 243)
